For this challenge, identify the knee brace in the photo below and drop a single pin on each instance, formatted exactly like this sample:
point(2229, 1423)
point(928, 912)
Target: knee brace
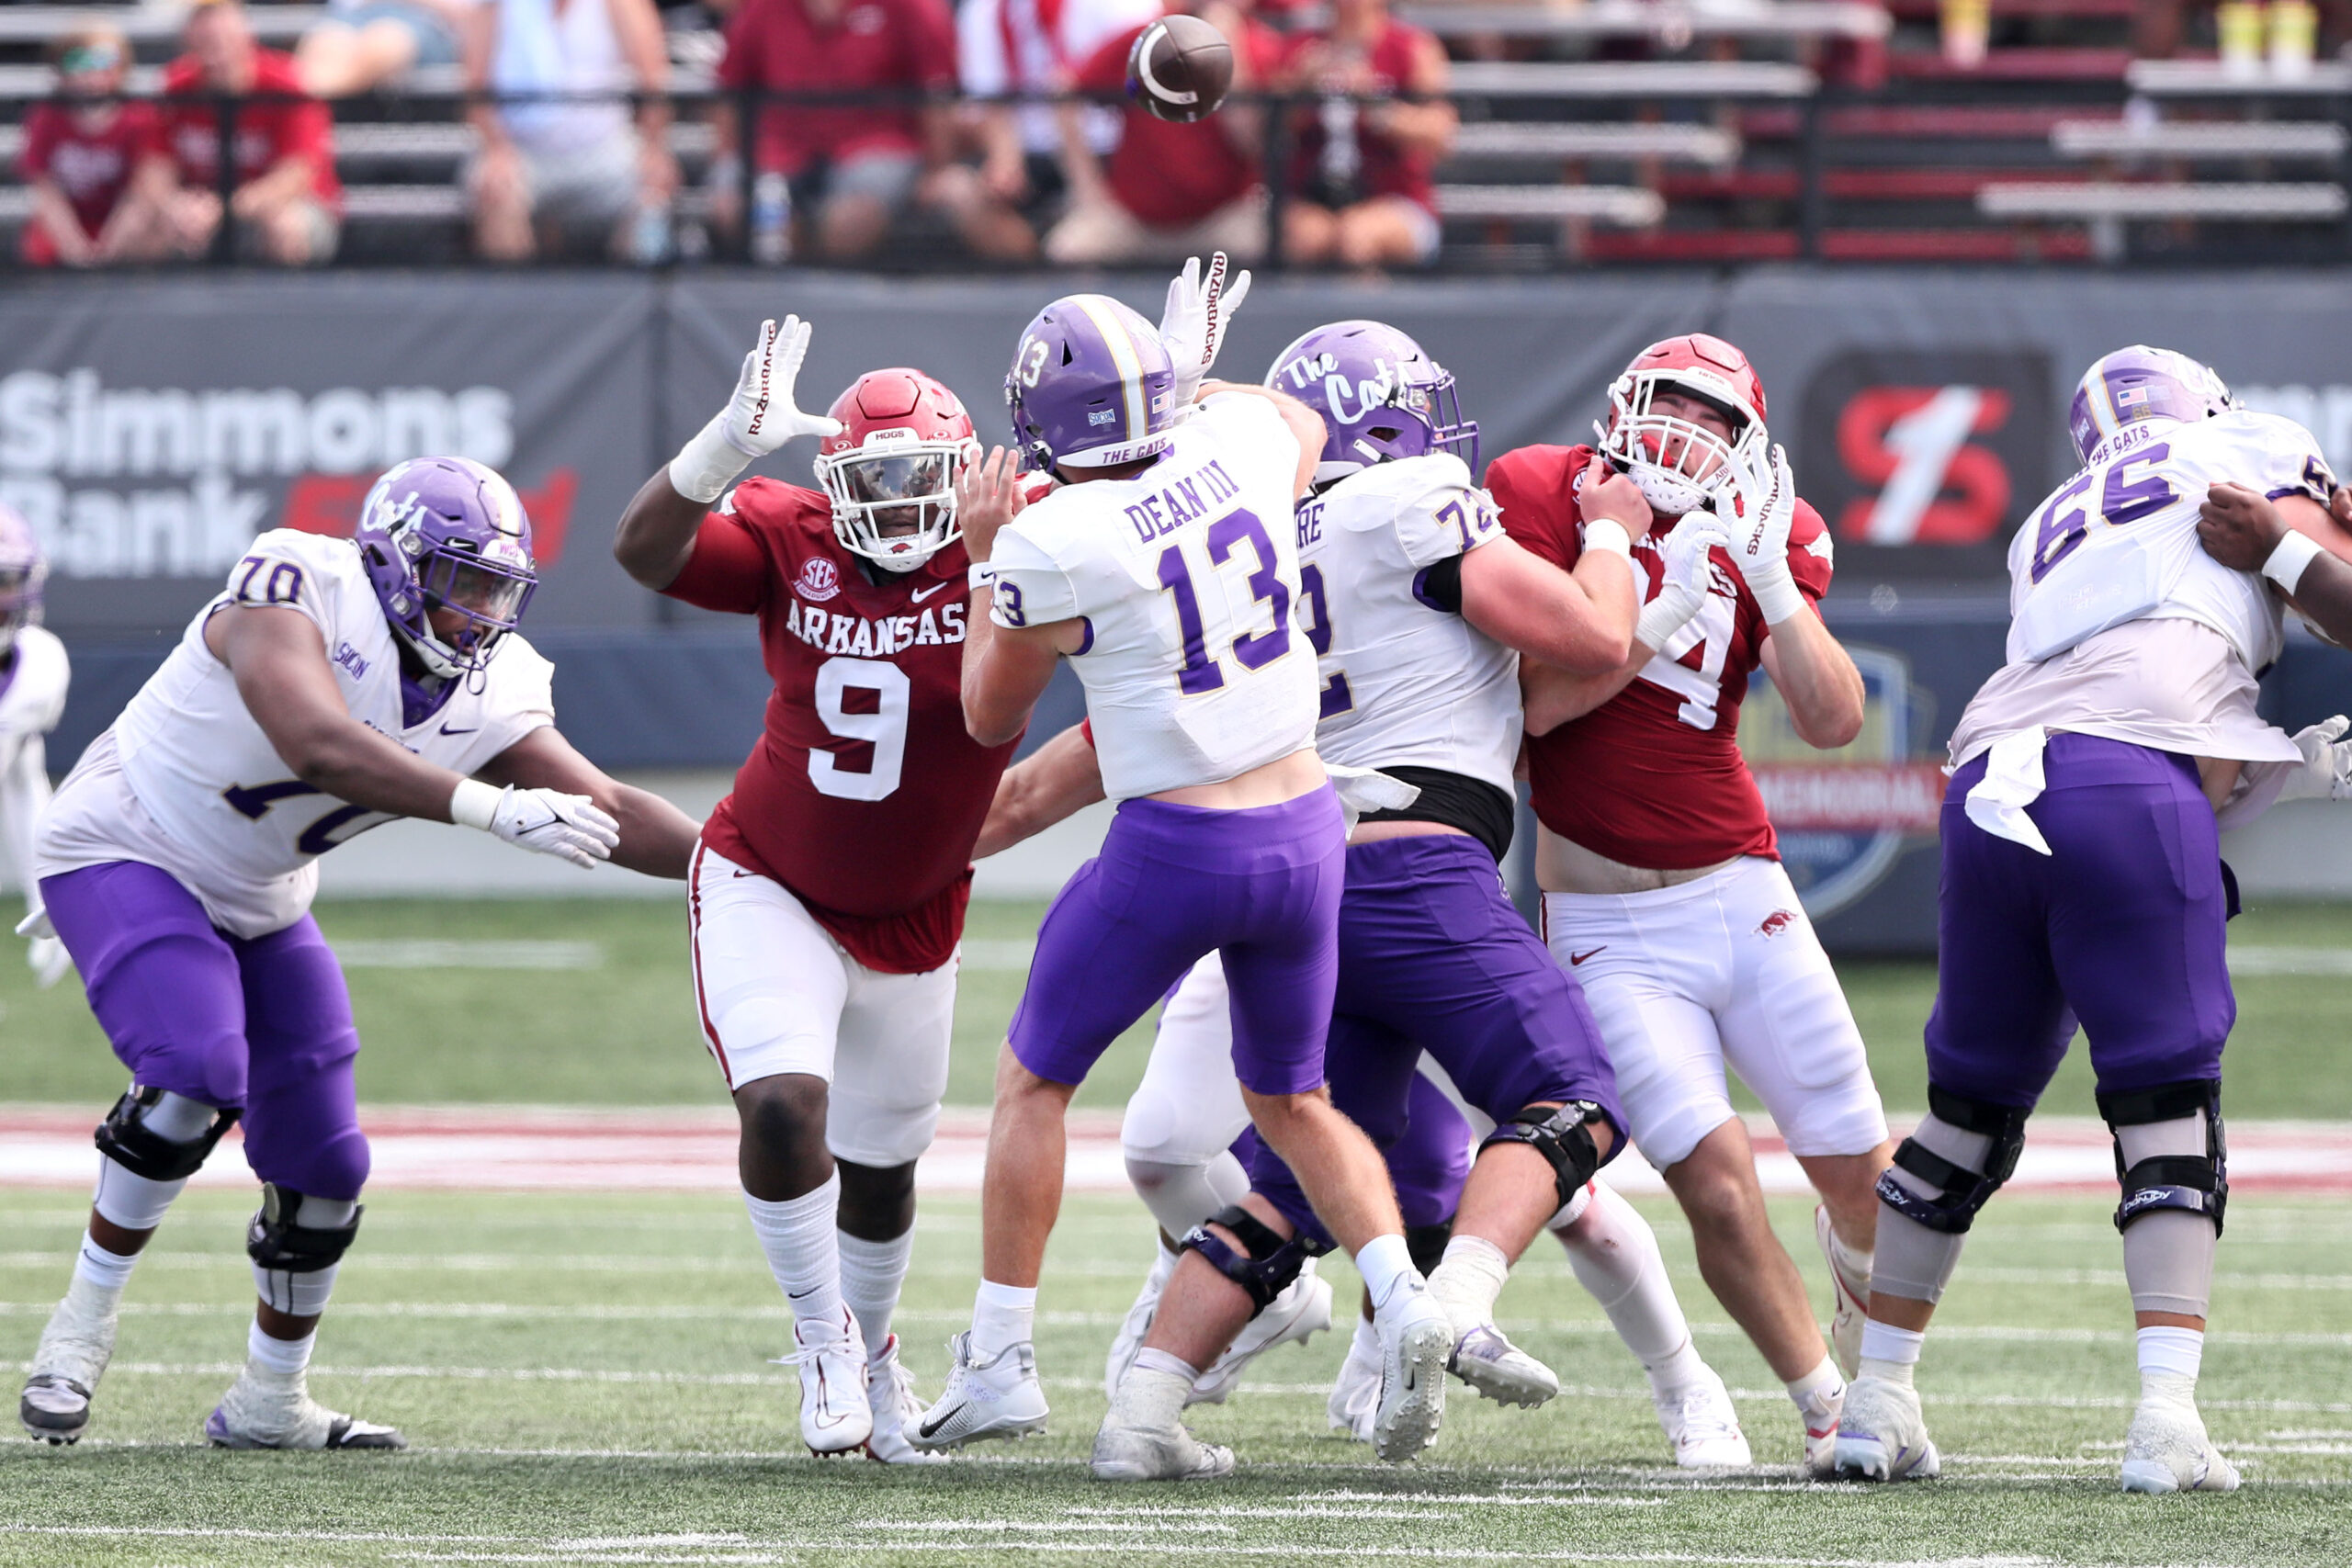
point(278, 1240)
point(139, 1133)
point(1426, 1244)
point(2197, 1183)
point(1959, 1191)
point(1272, 1263)
point(1563, 1136)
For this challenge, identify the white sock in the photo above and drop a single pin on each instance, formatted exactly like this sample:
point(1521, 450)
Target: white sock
point(1386, 1263)
point(1616, 1258)
point(2171, 1354)
point(1001, 1317)
point(1468, 1279)
point(1889, 1352)
point(107, 1271)
point(872, 1275)
point(284, 1357)
point(1811, 1393)
point(798, 1237)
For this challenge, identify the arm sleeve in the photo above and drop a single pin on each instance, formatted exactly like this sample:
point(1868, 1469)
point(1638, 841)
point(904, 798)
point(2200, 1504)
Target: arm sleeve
point(1030, 589)
point(1526, 513)
point(728, 571)
point(1811, 560)
point(278, 573)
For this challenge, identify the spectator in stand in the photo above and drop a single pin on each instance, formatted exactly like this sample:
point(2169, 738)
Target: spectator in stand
point(1005, 48)
point(1361, 174)
point(1168, 191)
point(359, 45)
point(565, 156)
point(285, 203)
point(82, 153)
point(850, 169)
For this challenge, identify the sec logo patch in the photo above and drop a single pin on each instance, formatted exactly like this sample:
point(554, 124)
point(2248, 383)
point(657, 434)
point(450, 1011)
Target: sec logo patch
point(820, 580)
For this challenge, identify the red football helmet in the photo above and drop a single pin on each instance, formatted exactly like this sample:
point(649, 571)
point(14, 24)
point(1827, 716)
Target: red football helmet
point(1679, 464)
point(892, 471)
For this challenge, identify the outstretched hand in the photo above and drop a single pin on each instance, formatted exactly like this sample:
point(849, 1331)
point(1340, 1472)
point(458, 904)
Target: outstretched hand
point(759, 417)
point(989, 494)
point(1192, 326)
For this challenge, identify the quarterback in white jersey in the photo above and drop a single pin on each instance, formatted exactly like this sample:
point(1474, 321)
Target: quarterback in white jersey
point(1166, 571)
point(2082, 880)
point(34, 674)
point(334, 684)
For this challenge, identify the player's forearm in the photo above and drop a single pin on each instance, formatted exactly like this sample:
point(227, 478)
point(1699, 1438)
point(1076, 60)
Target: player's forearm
point(996, 706)
point(656, 837)
point(657, 531)
point(1818, 681)
point(1553, 696)
point(2323, 594)
point(1059, 780)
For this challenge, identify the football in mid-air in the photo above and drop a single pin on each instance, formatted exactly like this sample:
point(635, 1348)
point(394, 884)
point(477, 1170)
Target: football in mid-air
point(1180, 69)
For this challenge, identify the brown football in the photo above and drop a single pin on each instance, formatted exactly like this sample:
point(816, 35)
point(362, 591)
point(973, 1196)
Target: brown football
point(1180, 69)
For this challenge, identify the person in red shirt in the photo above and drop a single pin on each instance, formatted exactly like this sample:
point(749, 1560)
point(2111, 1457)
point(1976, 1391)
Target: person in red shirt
point(1168, 191)
point(828, 892)
point(1662, 883)
point(1361, 178)
point(286, 200)
point(80, 155)
point(850, 169)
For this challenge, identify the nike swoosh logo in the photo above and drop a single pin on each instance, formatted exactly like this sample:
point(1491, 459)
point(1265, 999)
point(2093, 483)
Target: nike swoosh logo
point(470, 730)
point(918, 598)
point(930, 1428)
point(1576, 958)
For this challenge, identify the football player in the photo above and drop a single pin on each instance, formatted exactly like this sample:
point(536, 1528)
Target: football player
point(2081, 873)
point(1165, 569)
point(1662, 885)
point(829, 889)
point(34, 674)
point(334, 685)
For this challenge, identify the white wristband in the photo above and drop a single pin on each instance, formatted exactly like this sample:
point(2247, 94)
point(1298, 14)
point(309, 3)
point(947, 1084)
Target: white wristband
point(1777, 595)
point(707, 464)
point(473, 803)
point(982, 575)
point(2289, 558)
point(1608, 535)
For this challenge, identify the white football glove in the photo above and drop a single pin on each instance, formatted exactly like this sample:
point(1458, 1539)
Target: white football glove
point(1689, 576)
point(1193, 327)
point(49, 959)
point(1767, 493)
point(2326, 772)
point(546, 821)
point(757, 419)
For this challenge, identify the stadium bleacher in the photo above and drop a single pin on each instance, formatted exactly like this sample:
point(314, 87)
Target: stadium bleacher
point(1617, 131)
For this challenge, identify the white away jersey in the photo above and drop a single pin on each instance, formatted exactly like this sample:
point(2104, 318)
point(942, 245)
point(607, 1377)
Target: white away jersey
point(2118, 542)
point(185, 780)
point(1405, 683)
point(1187, 577)
point(31, 702)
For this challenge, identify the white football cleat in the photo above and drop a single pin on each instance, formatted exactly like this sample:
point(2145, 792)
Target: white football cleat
point(264, 1409)
point(1701, 1425)
point(2167, 1451)
point(1125, 1449)
point(1355, 1397)
point(1500, 1369)
point(1138, 1322)
point(1302, 1311)
point(75, 1350)
point(1881, 1436)
point(835, 1419)
point(1416, 1342)
point(1851, 1312)
point(997, 1398)
point(891, 1396)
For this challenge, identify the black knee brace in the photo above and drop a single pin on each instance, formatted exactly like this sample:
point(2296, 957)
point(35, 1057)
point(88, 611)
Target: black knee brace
point(2199, 1184)
point(1960, 1192)
point(1272, 1263)
point(1426, 1244)
point(1563, 1136)
point(123, 1138)
point(278, 1239)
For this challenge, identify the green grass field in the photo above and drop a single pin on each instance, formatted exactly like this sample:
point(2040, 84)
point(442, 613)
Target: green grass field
point(586, 1380)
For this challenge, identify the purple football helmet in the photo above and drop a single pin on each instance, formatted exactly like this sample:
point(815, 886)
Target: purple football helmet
point(2142, 383)
point(22, 572)
point(1381, 396)
point(448, 535)
point(1091, 385)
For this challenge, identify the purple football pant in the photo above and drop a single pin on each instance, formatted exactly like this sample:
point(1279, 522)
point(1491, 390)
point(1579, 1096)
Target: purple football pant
point(262, 1025)
point(1172, 884)
point(2119, 927)
point(1434, 957)
point(1431, 1159)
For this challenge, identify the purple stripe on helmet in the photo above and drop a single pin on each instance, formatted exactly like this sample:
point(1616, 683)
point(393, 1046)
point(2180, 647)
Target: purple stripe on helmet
point(2136, 384)
point(1090, 385)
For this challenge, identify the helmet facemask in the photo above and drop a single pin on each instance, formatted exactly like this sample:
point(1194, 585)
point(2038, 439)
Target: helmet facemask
point(1679, 464)
point(487, 594)
point(894, 498)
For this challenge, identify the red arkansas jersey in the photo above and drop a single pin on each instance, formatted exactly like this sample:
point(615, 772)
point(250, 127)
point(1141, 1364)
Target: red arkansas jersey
point(865, 794)
point(1653, 777)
